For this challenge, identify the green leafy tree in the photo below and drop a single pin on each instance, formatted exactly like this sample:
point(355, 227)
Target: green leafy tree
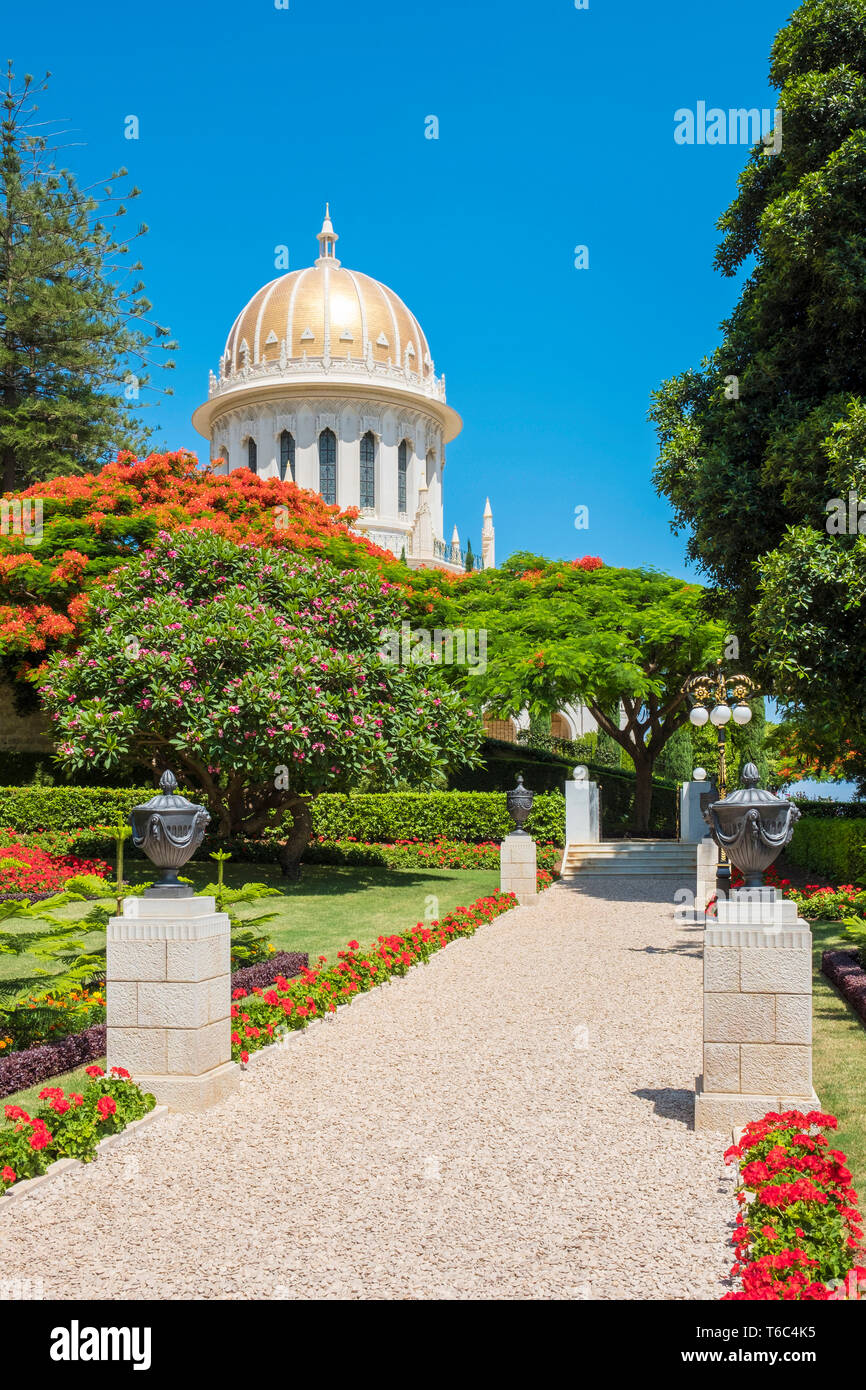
point(75, 338)
point(610, 638)
point(757, 442)
point(266, 678)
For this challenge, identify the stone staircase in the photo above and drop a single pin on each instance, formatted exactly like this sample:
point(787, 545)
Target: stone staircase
point(649, 858)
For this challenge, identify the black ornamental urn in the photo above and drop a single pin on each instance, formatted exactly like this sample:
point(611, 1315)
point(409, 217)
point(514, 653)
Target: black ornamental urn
point(519, 802)
point(752, 826)
point(169, 829)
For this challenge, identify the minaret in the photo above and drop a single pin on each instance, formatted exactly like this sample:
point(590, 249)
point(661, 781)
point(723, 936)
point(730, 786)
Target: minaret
point(456, 558)
point(327, 239)
point(488, 539)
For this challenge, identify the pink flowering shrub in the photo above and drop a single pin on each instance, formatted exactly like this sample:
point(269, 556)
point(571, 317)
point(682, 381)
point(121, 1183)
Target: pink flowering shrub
point(261, 676)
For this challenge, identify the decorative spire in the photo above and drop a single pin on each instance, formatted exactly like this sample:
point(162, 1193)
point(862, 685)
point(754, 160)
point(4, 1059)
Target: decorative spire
point(327, 239)
point(488, 539)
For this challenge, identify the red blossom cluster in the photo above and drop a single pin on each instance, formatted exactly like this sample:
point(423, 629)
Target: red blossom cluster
point(799, 1231)
point(117, 512)
point(28, 871)
point(68, 1126)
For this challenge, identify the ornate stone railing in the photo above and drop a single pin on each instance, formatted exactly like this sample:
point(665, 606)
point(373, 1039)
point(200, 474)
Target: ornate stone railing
point(431, 386)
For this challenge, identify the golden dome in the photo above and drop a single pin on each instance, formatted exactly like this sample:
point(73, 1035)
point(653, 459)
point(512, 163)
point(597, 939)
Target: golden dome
point(326, 312)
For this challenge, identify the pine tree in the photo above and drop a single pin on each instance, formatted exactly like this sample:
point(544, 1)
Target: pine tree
point(74, 339)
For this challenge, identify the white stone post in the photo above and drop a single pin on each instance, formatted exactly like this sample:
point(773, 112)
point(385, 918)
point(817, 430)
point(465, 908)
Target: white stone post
point(517, 867)
point(707, 865)
point(168, 999)
point(693, 827)
point(582, 823)
point(757, 1011)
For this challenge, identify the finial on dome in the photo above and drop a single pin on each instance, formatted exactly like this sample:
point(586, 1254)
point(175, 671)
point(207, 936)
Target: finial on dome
point(327, 239)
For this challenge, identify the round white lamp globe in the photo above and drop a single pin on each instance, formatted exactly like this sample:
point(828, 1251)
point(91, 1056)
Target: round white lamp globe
point(580, 773)
point(742, 714)
point(699, 716)
point(720, 715)
point(699, 774)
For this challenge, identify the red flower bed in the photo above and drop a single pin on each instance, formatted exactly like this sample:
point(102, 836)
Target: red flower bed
point(799, 1231)
point(26, 871)
point(262, 1017)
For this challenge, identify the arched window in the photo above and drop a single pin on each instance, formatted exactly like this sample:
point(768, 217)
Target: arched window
point(287, 457)
point(222, 460)
point(402, 465)
point(328, 466)
point(368, 470)
point(252, 455)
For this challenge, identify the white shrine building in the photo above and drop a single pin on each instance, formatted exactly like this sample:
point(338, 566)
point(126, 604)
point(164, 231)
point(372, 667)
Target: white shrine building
point(327, 380)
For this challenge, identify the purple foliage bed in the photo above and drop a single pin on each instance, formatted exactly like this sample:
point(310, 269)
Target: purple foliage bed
point(34, 1064)
point(843, 969)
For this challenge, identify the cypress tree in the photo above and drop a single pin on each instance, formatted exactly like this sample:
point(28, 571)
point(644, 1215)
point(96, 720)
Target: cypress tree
point(74, 339)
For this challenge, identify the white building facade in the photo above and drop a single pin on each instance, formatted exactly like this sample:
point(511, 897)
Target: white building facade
point(327, 380)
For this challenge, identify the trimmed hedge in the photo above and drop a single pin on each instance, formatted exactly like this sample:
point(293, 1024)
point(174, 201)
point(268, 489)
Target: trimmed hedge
point(67, 808)
point(375, 816)
point(835, 849)
point(380, 817)
point(383, 817)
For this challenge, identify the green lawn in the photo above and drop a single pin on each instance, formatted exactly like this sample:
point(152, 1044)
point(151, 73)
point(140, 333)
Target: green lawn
point(839, 1057)
point(329, 907)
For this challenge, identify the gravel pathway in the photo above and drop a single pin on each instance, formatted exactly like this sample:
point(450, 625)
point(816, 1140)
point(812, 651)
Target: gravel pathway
point(512, 1121)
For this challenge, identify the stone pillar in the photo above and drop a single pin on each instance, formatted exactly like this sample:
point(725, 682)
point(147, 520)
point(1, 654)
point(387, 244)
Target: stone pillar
point(517, 866)
point(693, 827)
point(757, 1011)
point(582, 821)
point(168, 997)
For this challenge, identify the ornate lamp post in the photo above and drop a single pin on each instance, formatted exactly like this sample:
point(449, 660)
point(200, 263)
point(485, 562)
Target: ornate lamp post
point(718, 698)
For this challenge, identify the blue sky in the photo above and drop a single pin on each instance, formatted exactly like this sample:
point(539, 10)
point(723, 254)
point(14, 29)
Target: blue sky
point(555, 130)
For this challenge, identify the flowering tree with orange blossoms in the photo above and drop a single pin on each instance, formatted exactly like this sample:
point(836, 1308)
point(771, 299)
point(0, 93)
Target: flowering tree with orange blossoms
point(93, 522)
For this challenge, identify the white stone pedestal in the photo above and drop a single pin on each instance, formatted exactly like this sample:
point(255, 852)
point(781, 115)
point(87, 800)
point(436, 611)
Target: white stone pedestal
point(168, 997)
point(757, 1011)
point(517, 867)
point(582, 823)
